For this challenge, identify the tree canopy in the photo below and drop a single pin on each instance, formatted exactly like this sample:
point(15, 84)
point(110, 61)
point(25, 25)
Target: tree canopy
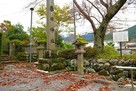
point(62, 16)
point(14, 32)
point(39, 33)
point(62, 19)
point(99, 14)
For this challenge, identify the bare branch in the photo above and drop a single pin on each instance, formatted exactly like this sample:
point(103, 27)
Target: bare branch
point(84, 7)
point(85, 15)
point(115, 8)
point(96, 9)
point(104, 4)
point(34, 3)
point(96, 19)
point(87, 8)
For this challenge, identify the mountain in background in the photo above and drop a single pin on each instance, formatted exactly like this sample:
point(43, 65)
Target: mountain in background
point(90, 37)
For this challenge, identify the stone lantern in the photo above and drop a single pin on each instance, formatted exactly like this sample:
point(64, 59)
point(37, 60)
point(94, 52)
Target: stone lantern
point(79, 46)
point(12, 49)
point(40, 49)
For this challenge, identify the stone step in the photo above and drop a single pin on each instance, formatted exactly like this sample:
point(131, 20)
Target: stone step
point(8, 62)
point(4, 58)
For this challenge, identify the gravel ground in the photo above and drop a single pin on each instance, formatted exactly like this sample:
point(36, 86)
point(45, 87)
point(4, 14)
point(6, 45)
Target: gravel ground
point(13, 78)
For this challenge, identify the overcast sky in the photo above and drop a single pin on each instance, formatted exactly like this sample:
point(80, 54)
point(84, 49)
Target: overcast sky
point(14, 11)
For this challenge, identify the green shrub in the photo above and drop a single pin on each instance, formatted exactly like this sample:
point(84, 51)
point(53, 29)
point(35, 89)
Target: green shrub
point(16, 41)
point(68, 54)
point(20, 56)
point(43, 60)
point(34, 56)
point(90, 52)
point(5, 48)
point(13, 57)
point(57, 66)
point(54, 64)
point(58, 60)
point(109, 53)
point(54, 54)
point(67, 46)
point(129, 56)
point(43, 66)
point(18, 45)
point(110, 44)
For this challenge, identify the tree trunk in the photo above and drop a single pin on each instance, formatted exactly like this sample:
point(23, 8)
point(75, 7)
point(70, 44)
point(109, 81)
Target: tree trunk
point(98, 40)
point(99, 35)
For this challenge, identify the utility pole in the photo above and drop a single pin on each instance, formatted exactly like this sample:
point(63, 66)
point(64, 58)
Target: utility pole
point(50, 26)
point(31, 34)
point(74, 20)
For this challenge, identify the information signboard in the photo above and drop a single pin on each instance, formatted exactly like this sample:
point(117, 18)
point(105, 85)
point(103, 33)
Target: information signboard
point(120, 36)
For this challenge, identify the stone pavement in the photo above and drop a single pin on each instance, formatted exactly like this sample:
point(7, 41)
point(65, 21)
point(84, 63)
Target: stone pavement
point(14, 78)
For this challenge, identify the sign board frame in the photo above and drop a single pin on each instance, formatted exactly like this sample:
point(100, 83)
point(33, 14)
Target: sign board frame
point(121, 36)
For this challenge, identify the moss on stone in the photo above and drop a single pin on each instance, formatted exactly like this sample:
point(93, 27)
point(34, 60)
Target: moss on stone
point(82, 40)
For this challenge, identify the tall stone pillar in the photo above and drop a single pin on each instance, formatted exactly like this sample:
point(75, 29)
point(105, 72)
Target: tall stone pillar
point(50, 25)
